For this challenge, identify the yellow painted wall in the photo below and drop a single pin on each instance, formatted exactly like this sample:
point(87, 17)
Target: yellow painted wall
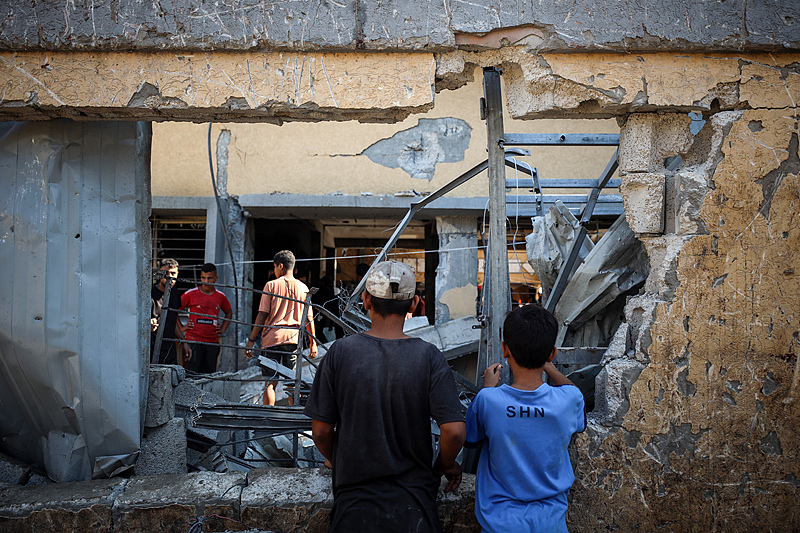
point(322, 158)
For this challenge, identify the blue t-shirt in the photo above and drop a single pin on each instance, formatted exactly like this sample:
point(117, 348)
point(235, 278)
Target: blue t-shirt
point(524, 472)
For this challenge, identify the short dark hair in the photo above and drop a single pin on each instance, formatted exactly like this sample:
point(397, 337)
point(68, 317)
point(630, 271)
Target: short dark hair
point(167, 262)
point(209, 267)
point(285, 258)
point(530, 333)
point(385, 306)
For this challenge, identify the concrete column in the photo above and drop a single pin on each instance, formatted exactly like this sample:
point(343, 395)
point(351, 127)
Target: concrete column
point(457, 274)
point(239, 238)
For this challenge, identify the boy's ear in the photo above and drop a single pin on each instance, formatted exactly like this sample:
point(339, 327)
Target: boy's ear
point(414, 304)
point(552, 355)
point(367, 298)
point(506, 350)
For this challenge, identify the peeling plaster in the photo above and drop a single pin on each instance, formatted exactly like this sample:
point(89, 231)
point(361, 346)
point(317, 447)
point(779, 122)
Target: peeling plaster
point(419, 149)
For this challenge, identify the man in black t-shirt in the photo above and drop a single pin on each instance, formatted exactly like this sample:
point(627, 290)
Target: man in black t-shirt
point(371, 404)
point(169, 352)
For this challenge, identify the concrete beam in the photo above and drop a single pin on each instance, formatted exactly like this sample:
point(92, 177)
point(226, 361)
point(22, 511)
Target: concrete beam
point(246, 25)
point(214, 87)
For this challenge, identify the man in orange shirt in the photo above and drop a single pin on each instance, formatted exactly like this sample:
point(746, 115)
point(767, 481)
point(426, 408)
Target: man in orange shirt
point(277, 312)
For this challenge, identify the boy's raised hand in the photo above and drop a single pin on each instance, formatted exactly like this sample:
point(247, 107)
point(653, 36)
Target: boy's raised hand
point(491, 376)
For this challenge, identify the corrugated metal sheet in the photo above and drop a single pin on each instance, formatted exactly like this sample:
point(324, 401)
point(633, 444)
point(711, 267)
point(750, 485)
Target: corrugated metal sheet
point(74, 241)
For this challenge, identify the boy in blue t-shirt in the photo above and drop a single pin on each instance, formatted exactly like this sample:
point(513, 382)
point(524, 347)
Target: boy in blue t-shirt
point(524, 471)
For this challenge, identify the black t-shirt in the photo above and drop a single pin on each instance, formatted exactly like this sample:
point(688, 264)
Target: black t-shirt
point(381, 394)
point(168, 353)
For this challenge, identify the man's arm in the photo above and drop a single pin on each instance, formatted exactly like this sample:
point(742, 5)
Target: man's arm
point(312, 345)
point(179, 335)
point(261, 318)
point(555, 376)
point(451, 439)
point(322, 433)
point(225, 322)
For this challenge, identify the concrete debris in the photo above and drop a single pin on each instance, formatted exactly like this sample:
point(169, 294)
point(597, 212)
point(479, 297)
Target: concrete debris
point(454, 338)
point(613, 385)
point(163, 450)
point(15, 472)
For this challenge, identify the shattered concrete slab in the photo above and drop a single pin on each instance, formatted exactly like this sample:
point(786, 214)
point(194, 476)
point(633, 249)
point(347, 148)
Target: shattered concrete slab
point(271, 499)
point(454, 338)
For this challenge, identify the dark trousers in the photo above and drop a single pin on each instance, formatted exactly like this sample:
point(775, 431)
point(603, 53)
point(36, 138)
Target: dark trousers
point(204, 358)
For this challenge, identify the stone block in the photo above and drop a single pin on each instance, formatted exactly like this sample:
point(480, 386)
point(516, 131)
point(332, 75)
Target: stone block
point(647, 139)
point(160, 404)
point(643, 197)
point(163, 450)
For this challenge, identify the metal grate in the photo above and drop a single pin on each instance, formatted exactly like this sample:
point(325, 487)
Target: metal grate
point(182, 239)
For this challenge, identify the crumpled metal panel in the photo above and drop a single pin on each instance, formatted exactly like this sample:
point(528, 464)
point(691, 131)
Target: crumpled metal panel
point(550, 241)
point(595, 294)
point(73, 250)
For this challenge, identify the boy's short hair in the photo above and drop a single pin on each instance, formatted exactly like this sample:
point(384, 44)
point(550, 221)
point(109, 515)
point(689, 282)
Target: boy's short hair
point(385, 306)
point(285, 258)
point(530, 333)
point(209, 267)
point(167, 262)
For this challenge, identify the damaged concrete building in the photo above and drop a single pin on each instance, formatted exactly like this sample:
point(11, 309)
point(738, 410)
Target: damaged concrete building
point(696, 412)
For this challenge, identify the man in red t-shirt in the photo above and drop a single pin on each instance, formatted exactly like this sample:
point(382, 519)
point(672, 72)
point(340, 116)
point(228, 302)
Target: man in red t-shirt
point(204, 303)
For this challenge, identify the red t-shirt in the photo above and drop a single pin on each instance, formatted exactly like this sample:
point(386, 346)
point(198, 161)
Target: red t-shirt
point(205, 328)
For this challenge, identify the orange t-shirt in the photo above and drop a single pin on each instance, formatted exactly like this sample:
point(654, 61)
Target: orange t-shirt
point(282, 312)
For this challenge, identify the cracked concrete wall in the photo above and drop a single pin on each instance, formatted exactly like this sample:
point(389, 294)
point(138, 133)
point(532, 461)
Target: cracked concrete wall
point(696, 422)
point(398, 25)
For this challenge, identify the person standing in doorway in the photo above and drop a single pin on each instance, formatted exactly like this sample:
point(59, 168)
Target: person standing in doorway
point(204, 303)
point(168, 354)
point(280, 313)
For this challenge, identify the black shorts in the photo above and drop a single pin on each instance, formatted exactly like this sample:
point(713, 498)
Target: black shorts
point(204, 358)
point(287, 359)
